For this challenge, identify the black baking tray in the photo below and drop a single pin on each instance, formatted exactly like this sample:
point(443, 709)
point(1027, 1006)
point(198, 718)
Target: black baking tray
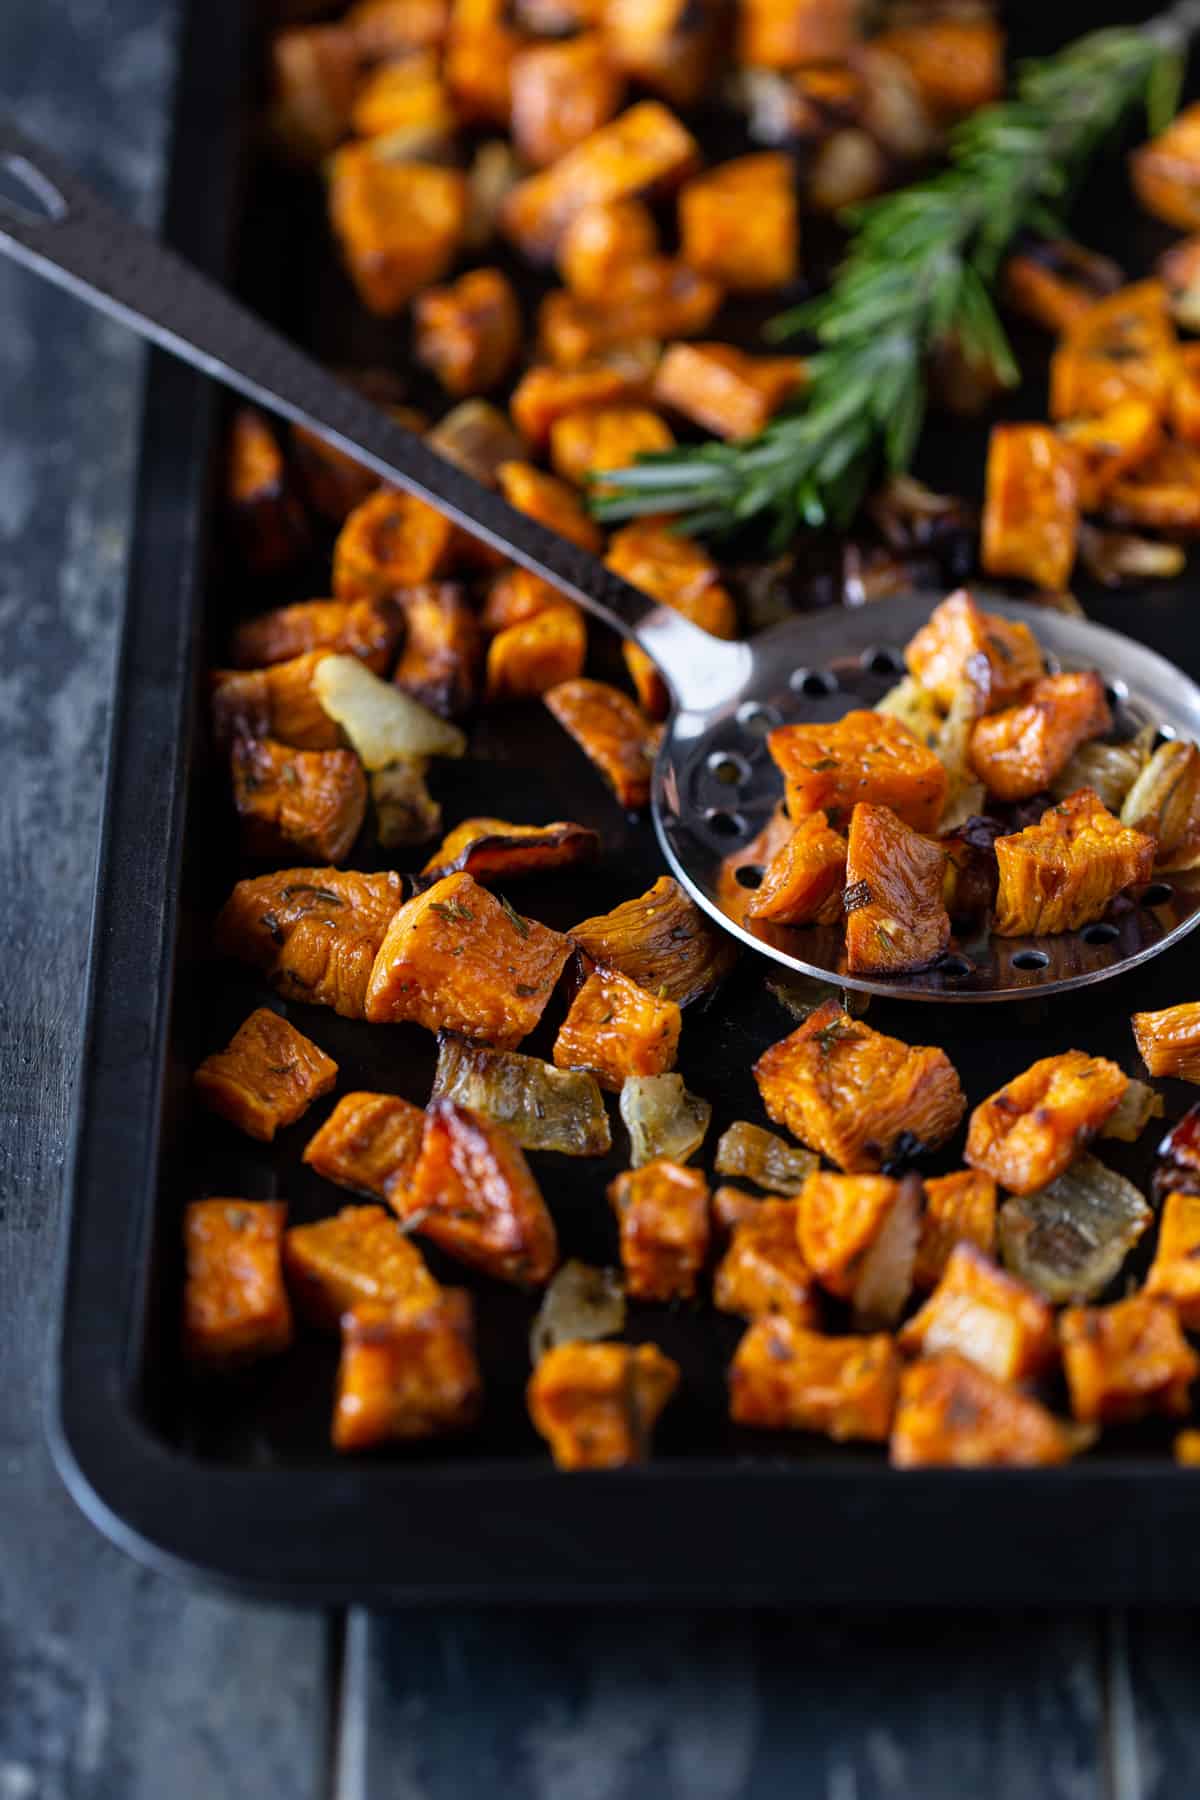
point(237, 1484)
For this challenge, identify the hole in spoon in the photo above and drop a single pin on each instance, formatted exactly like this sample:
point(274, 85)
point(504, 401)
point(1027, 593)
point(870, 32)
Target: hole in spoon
point(757, 719)
point(1116, 693)
point(881, 661)
point(1099, 934)
point(1157, 894)
point(725, 824)
point(27, 194)
point(815, 683)
point(749, 875)
point(954, 967)
point(727, 768)
point(1030, 959)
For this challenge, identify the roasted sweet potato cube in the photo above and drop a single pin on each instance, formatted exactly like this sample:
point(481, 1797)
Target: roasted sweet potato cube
point(562, 93)
point(1018, 752)
point(268, 1076)
point(659, 298)
point(1175, 1272)
point(1055, 282)
point(724, 391)
point(314, 72)
point(550, 501)
point(406, 1371)
point(473, 1195)
point(661, 940)
point(442, 648)
point(1126, 1360)
point(1062, 872)
point(1187, 1449)
point(545, 394)
point(1178, 268)
point(383, 29)
point(602, 243)
point(863, 756)
point(400, 224)
point(1111, 444)
point(957, 64)
point(479, 438)
point(481, 46)
point(314, 933)
point(1122, 348)
point(738, 223)
point(235, 1306)
point(496, 850)
point(368, 629)
point(858, 1235)
point(1160, 494)
point(406, 102)
point(784, 1378)
point(732, 1206)
point(1031, 1129)
point(855, 1095)
point(962, 646)
point(391, 541)
point(959, 1209)
point(783, 34)
point(642, 152)
point(1169, 1041)
point(802, 884)
point(278, 702)
point(1185, 396)
point(680, 573)
point(368, 1143)
point(615, 1029)
point(1166, 172)
point(271, 525)
point(514, 596)
point(335, 482)
point(531, 658)
point(763, 1270)
point(457, 959)
point(662, 1213)
point(895, 916)
point(611, 732)
point(670, 46)
point(597, 1404)
point(986, 1316)
point(306, 801)
point(1031, 509)
point(468, 333)
point(358, 1256)
point(598, 438)
point(953, 1414)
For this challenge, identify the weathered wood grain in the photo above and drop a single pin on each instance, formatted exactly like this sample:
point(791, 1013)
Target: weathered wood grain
point(112, 1682)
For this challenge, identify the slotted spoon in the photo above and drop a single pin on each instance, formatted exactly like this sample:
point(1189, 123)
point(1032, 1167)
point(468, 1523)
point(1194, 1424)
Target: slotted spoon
point(714, 785)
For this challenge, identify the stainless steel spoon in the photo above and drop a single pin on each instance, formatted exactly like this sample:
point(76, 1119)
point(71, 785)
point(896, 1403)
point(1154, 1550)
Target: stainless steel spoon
point(714, 784)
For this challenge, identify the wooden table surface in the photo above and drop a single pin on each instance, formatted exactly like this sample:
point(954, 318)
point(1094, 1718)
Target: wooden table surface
point(118, 1683)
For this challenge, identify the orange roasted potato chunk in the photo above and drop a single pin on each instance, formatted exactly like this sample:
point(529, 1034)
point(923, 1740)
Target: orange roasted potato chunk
point(670, 46)
point(360, 1255)
point(1018, 752)
point(306, 802)
point(763, 1270)
point(1166, 172)
point(612, 734)
point(784, 34)
point(643, 151)
point(406, 102)
point(599, 438)
point(962, 646)
point(1160, 494)
point(616, 1029)
point(1055, 282)
point(661, 940)
point(472, 1193)
point(1034, 1127)
point(725, 391)
point(391, 541)
point(1031, 506)
point(457, 959)
point(315, 933)
point(1175, 1272)
point(550, 501)
point(268, 1076)
point(959, 1209)
point(1122, 348)
point(855, 1095)
point(858, 1234)
point(786, 1378)
point(895, 918)
point(987, 1316)
point(680, 573)
point(863, 756)
point(235, 1306)
point(513, 596)
point(1062, 872)
point(496, 850)
point(658, 298)
point(270, 522)
point(953, 1414)
point(442, 648)
point(481, 47)
point(1185, 396)
point(537, 654)
point(1127, 1360)
point(597, 1404)
point(545, 394)
point(278, 702)
point(406, 1371)
point(368, 629)
point(803, 882)
point(314, 72)
point(388, 28)
point(1169, 1041)
point(470, 332)
point(400, 224)
point(369, 1142)
point(738, 223)
point(662, 1216)
point(562, 93)
point(1109, 445)
point(603, 243)
point(957, 64)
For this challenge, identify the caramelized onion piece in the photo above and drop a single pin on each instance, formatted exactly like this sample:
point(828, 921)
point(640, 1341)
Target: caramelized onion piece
point(1178, 1168)
point(662, 941)
point(382, 723)
point(802, 995)
point(1164, 801)
point(580, 1305)
point(495, 849)
point(544, 1108)
point(759, 1156)
point(406, 813)
point(1068, 1240)
point(1110, 770)
point(662, 1118)
point(1135, 1109)
point(1115, 558)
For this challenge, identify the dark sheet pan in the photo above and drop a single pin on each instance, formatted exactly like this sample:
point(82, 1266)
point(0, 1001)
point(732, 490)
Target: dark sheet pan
point(239, 1485)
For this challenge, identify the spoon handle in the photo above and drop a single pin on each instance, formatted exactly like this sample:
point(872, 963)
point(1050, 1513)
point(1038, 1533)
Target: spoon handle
point(54, 224)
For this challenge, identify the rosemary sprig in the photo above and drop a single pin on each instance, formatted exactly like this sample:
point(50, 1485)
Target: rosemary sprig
point(919, 272)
